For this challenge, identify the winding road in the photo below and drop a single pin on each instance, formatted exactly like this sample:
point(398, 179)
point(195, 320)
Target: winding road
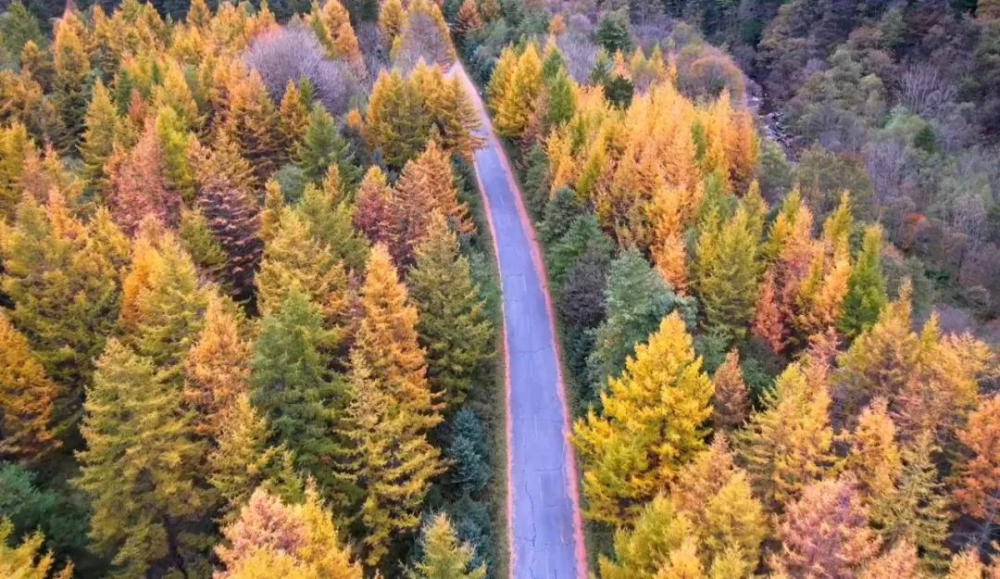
point(545, 532)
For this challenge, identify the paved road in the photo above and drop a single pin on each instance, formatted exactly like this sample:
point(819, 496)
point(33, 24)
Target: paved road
point(543, 511)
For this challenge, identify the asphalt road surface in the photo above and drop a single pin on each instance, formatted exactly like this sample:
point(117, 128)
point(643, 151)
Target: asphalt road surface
point(543, 511)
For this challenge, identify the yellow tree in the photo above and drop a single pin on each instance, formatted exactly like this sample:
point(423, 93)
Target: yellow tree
point(516, 105)
point(731, 401)
point(875, 458)
point(26, 399)
point(978, 490)
point(652, 423)
point(787, 445)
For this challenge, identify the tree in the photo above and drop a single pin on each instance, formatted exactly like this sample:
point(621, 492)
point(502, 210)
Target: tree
point(138, 184)
point(642, 551)
point(727, 271)
point(290, 385)
point(731, 401)
point(390, 19)
point(72, 68)
point(387, 343)
point(452, 326)
point(102, 125)
point(217, 368)
point(916, 508)
point(293, 119)
point(327, 214)
point(626, 453)
point(390, 457)
point(332, 25)
point(517, 103)
point(978, 490)
point(875, 457)
point(235, 224)
point(24, 560)
point(242, 461)
point(787, 445)
point(322, 146)
point(295, 261)
point(866, 293)
point(768, 324)
point(26, 399)
point(251, 123)
point(295, 541)
point(63, 280)
point(468, 452)
point(140, 474)
point(636, 300)
point(825, 533)
point(900, 562)
point(444, 557)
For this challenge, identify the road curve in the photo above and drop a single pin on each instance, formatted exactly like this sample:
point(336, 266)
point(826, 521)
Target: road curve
point(545, 532)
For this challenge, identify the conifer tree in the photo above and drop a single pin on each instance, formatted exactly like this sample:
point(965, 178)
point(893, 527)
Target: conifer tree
point(170, 310)
point(825, 533)
point(138, 184)
point(176, 143)
point(296, 261)
point(429, 176)
point(916, 509)
point(626, 453)
point(900, 562)
point(271, 538)
point(327, 215)
point(72, 67)
point(467, 21)
point(390, 458)
point(978, 489)
point(293, 120)
point(15, 146)
point(866, 294)
point(139, 474)
point(787, 445)
point(26, 399)
point(25, 561)
point(63, 280)
point(519, 99)
point(99, 137)
point(291, 386)
point(322, 146)
point(875, 457)
point(452, 327)
point(201, 244)
point(270, 213)
point(643, 550)
point(731, 401)
point(242, 461)
point(235, 224)
point(217, 368)
point(734, 518)
point(388, 346)
point(443, 555)
point(727, 272)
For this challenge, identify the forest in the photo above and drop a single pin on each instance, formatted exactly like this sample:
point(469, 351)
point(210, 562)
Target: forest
point(251, 318)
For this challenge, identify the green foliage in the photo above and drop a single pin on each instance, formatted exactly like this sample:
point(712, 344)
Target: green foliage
point(561, 211)
point(866, 293)
point(468, 451)
point(636, 300)
point(583, 234)
point(323, 146)
point(613, 33)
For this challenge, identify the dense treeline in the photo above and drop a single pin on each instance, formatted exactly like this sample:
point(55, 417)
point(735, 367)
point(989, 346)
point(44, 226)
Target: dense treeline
point(247, 322)
point(754, 394)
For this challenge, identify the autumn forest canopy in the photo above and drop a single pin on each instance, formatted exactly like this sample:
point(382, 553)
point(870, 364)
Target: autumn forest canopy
point(250, 314)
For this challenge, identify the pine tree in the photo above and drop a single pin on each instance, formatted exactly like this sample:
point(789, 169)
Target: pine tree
point(390, 457)
point(63, 280)
point(643, 550)
point(294, 261)
point(251, 122)
point(270, 213)
point(293, 120)
point(390, 19)
point(978, 489)
point(242, 462)
point(26, 399)
point(72, 68)
point(322, 146)
point(626, 454)
point(176, 143)
point(866, 293)
point(291, 386)
point(327, 215)
point(727, 272)
point(452, 327)
point(217, 368)
point(235, 224)
point(170, 310)
point(200, 243)
point(294, 541)
point(15, 146)
point(99, 138)
point(429, 176)
point(874, 457)
point(138, 184)
point(139, 474)
point(24, 561)
point(787, 445)
point(825, 534)
point(734, 518)
point(517, 103)
point(900, 562)
point(387, 343)
point(916, 509)
point(444, 557)
point(467, 21)
point(731, 401)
